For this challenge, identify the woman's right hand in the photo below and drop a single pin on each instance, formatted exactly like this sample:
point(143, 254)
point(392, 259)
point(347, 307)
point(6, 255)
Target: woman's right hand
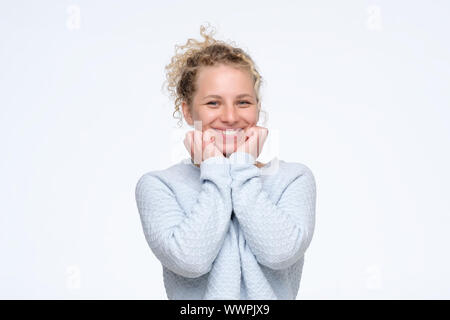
point(201, 145)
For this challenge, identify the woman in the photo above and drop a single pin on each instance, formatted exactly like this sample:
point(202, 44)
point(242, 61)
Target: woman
point(220, 228)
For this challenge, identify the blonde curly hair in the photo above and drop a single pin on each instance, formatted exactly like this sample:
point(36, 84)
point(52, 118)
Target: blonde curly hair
point(181, 72)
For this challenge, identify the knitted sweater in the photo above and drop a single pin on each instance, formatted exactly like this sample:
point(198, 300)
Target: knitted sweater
point(229, 230)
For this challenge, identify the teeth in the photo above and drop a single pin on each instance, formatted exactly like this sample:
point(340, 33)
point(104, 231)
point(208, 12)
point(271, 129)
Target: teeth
point(229, 132)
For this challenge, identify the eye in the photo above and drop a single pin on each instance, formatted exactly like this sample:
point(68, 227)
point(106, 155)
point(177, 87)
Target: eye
point(212, 102)
point(245, 102)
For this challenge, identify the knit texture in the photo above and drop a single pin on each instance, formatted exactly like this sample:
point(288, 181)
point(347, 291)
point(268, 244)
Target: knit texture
point(229, 230)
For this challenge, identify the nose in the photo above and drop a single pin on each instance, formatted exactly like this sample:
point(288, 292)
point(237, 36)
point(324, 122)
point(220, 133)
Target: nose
point(229, 115)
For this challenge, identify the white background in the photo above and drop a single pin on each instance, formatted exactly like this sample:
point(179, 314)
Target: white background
point(357, 90)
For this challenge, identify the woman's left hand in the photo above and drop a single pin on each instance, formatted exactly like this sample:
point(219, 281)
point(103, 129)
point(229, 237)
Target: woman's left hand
point(254, 140)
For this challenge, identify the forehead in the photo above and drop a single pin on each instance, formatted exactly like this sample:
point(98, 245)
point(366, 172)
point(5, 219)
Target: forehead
point(224, 79)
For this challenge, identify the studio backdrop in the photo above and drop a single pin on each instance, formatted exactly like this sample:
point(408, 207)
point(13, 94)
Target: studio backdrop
point(356, 90)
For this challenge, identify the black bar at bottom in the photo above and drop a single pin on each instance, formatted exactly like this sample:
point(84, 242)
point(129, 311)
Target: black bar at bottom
point(224, 309)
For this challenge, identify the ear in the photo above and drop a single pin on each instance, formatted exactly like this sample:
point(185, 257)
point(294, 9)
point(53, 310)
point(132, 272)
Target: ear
point(187, 113)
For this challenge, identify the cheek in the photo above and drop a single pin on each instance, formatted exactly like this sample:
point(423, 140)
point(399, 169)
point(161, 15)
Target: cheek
point(205, 119)
point(251, 116)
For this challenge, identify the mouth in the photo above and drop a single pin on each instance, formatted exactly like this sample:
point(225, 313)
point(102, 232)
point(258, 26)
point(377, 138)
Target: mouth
point(229, 139)
point(229, 132)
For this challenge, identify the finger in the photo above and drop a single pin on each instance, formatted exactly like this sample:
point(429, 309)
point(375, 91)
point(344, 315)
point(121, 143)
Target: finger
point(187, 143)
point(209, 144)
point(264, 137)
point(210, 132)
point(197, 136)
point(198, 146)
point(265, 132)
point(249, 132)
point(258, 139)
point(191, 143)
point(208, 135)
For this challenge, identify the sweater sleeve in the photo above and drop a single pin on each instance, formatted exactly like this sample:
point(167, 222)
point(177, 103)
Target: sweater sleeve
point(277, 234)
point(187, 243)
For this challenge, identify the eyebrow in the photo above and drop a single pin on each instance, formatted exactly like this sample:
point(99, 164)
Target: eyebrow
point(219, 97)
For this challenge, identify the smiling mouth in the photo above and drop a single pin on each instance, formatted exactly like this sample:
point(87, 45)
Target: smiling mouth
point(230, 137)
point(230, 132)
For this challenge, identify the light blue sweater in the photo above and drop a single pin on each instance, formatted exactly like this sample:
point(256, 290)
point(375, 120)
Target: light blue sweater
point(229, 230)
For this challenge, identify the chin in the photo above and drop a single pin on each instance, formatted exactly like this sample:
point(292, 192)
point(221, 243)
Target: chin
point(228, 152)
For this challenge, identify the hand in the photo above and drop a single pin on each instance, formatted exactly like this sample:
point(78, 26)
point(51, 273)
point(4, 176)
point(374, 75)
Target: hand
point(201, 145)
point(254, 140)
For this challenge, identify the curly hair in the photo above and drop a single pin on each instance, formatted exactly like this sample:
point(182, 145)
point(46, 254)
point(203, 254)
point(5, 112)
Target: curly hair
point(181, 72)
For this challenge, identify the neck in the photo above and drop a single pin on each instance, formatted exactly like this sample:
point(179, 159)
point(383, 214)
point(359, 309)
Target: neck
point(258, 164)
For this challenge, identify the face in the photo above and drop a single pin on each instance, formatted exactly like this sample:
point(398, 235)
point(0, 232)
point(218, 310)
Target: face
point(224, 99)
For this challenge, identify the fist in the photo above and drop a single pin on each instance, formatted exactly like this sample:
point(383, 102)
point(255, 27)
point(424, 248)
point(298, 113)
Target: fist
point(254, 140)
point(201, 146)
